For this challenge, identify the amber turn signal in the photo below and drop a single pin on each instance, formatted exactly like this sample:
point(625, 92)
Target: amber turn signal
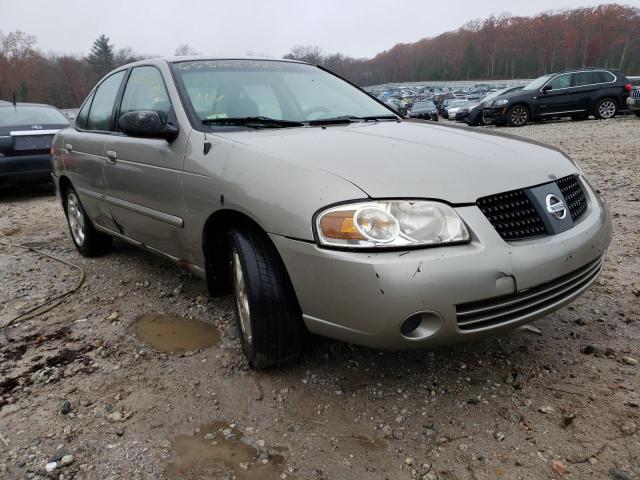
point(340, 224)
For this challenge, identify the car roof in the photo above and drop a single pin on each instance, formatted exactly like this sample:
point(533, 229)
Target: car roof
point(24, 104)
point(192, 58)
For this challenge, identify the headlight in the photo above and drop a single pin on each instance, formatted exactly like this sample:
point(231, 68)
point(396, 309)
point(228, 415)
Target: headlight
point(500, 102)
point(393, 223)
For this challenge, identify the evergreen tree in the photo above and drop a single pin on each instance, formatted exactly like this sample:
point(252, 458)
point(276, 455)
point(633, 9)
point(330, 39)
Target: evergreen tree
point(101, 56)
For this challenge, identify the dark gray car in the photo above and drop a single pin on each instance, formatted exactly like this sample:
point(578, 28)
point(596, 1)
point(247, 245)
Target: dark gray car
point(322, 210)
point(26, 135)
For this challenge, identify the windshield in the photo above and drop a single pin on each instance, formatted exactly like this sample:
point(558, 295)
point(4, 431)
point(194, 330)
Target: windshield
point(219, 89)
point(538, 83)
point(458, 103)
point(30, 115)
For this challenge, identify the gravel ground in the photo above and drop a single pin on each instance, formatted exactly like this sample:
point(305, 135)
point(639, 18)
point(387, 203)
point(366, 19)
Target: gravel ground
point(78, 387)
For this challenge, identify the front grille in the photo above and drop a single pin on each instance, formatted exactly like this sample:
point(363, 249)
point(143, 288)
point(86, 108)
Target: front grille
point(573, 195)
point(515, 218)
point(505, 309)
point(512, 215)
point(635, 93)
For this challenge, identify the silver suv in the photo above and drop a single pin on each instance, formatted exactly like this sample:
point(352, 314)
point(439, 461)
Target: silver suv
point(323, 211)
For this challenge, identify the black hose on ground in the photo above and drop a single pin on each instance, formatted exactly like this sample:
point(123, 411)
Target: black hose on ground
point(52, 302)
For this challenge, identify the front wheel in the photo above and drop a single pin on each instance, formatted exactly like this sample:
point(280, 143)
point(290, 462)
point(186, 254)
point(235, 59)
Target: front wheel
point(86, 238)
point(606, 108)
point(637, 113)
point(269, 318)
point(518, 116)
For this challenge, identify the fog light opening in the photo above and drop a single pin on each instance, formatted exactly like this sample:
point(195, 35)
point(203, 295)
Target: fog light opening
point(410, 324)
point(421, 325)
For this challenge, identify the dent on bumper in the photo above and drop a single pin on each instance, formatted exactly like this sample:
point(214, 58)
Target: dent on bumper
point(364, 297)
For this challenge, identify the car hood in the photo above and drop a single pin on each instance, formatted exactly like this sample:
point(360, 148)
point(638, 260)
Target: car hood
point(413, 159)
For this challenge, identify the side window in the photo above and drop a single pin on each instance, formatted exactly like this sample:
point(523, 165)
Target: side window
point(145, 90)
point(586, 78)
point(561, 81)
point(81, 119)
point(604, 77)
point(103, 101)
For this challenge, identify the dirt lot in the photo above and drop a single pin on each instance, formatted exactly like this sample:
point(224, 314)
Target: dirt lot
point(561, 400)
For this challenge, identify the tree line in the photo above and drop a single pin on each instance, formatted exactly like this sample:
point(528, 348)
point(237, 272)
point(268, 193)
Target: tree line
point(498, 47)
point(502, 47)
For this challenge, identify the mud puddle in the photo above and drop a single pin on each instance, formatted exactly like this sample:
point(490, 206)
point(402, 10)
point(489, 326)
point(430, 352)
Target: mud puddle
point(174, 334)
point(218, 445)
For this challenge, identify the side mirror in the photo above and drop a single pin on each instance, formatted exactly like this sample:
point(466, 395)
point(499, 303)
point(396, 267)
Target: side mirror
point(546, 88)
point(147, 124)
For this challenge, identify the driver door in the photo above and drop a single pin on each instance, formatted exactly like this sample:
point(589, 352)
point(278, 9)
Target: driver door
point(559, 98)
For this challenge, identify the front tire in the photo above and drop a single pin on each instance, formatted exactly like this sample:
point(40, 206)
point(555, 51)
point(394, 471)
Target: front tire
point(518, 116)
point(606, 108)
point(269, 318)
point(88, 241)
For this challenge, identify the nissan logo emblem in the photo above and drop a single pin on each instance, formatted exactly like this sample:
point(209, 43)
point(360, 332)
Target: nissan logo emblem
point(556, 207)
point(36, 127)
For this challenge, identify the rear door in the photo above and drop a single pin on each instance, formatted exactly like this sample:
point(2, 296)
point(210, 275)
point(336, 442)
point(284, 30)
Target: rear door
point(144, 175)
point(83, 148)
point(586, 89)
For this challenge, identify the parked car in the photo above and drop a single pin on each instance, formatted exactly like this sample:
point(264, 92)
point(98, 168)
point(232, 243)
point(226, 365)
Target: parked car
point(26, 133)
point(571, 93)
point(425, 110)
point(463, 112)
point(633, 102)
point(452, 108)
point(473, 115)
point(322, 210)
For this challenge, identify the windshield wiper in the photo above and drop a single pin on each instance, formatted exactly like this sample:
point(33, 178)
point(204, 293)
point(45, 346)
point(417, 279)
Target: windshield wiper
point(350, 119)
point(255, 122)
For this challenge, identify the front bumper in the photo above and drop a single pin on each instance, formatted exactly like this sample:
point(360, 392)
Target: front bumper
point(633, 104)
point(26, 168)
point(496, 115)
point(364, 298)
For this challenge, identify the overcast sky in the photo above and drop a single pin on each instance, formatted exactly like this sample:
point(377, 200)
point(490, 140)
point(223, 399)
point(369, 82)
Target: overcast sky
point(359, 28)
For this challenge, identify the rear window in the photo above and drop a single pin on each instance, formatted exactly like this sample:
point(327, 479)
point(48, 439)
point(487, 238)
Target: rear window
point(604, 77)
point(31, 115)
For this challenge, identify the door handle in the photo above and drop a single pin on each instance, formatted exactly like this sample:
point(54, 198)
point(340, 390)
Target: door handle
point(111, 156)
point(68, 148)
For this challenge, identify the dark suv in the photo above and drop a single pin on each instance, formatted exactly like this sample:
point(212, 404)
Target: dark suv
point(571, 93)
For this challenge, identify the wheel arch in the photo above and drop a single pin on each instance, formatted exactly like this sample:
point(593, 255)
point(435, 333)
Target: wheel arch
point(215, 248)
point(63, 184)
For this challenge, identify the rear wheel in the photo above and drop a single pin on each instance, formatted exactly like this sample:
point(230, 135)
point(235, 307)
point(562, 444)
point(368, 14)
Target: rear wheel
point(269, 318)
point(86, 238)
point(606, 108)
point(637, 113)
point(518, 116)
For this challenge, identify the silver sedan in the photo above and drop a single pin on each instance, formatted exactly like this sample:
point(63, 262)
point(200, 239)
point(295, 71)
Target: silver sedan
point(322, 210)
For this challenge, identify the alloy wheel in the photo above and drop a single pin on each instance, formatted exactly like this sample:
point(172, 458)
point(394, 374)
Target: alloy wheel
point(607, 109)
point(76, 219)
point(519, 116)
point(242, 298)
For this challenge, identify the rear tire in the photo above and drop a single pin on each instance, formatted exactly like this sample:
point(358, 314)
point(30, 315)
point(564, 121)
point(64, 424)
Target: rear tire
point(269, 318)
point(606, 108)
point(518, 116)
point(637, 113)
point(86, 238)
